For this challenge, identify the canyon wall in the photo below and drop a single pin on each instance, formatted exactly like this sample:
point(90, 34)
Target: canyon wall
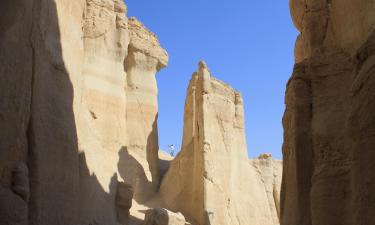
point(75, 75)
point(211, 180)
point(78, 119)
point(329, 125)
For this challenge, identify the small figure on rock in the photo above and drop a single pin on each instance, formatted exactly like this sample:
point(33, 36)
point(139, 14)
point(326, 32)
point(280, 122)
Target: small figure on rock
point(171, 149)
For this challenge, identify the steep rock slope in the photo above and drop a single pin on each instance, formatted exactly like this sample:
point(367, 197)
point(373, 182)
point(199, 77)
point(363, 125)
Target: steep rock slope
point(211, 181)
point(73, 73)
point(269, 171)
point(78, 118)
point(328, 121)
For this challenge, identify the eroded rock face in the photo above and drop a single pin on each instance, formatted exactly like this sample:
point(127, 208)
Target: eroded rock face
point(78, 118)
point(327, 156)
point(144, 60)
point(118, 111)
point(69, 71)
point(124, 201)
point(270, 173)
point(211, 181)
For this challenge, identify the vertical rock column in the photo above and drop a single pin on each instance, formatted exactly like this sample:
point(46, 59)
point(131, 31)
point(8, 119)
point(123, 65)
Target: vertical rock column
point(182, 188)
point(145, 58)
point(101, 112)
point(362, 133)
point(327, 130)
point(38, 132)
point(16, 63)
point(211, 181)
point(57, 49)
point(297, 151)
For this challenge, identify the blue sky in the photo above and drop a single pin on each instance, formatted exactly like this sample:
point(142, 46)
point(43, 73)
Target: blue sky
point(247, 44)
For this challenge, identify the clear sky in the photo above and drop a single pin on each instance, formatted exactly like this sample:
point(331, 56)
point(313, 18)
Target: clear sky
point(248, 44)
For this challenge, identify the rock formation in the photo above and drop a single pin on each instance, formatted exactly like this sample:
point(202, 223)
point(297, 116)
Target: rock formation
point(164, 217)
point(76, 76)
point(328, 123)
point(210, 181)
point(14, 199)
point(269, 171)
point(145, 59)
point(124, 202)
point(78, 118)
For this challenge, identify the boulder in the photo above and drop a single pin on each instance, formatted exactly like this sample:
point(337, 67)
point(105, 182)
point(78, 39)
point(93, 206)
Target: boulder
point(163, 217)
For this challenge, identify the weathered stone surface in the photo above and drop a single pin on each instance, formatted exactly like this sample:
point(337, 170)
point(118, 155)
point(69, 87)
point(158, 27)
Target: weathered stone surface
point(13, 209)
point(78, 118)
point(64, 111)
point(270, 173)
point(145, 59)
point(327, 156)
point(101, 108)
point(14, 200)
point(37, 121)
point(124, 201)
point(324, 24)
point(210, 181)
point(118, 109)
point(163, 217)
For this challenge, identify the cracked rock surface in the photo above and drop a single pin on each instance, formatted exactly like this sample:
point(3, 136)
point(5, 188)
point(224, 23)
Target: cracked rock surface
point(211, 180)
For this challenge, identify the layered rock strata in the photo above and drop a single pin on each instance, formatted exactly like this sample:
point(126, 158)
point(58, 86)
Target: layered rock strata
point(78, 118)
point(328, 121)
point(75, 77)
point(211, 181)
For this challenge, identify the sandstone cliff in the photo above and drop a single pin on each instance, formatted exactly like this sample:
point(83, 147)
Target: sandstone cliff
point(329, 124)
point(211, 180)
point(78, 110)
point(78, 119)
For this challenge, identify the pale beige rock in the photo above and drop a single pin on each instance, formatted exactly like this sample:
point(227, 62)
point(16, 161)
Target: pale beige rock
point(118, 112)
point(145, 59)
point(210, 181)
point(270, 173)
point(146, 42)
point(101, 121)
point(79, 108)
point(64, 107)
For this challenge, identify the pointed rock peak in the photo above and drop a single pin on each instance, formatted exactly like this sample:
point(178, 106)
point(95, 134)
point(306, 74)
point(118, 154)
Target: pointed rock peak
point(238, 98)
point(203, 69)
point(204, 76)
point(202, 65)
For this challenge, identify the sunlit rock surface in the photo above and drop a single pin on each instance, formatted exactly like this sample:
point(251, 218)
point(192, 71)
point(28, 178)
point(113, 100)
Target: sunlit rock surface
point(211, 180)
point(78, 119)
